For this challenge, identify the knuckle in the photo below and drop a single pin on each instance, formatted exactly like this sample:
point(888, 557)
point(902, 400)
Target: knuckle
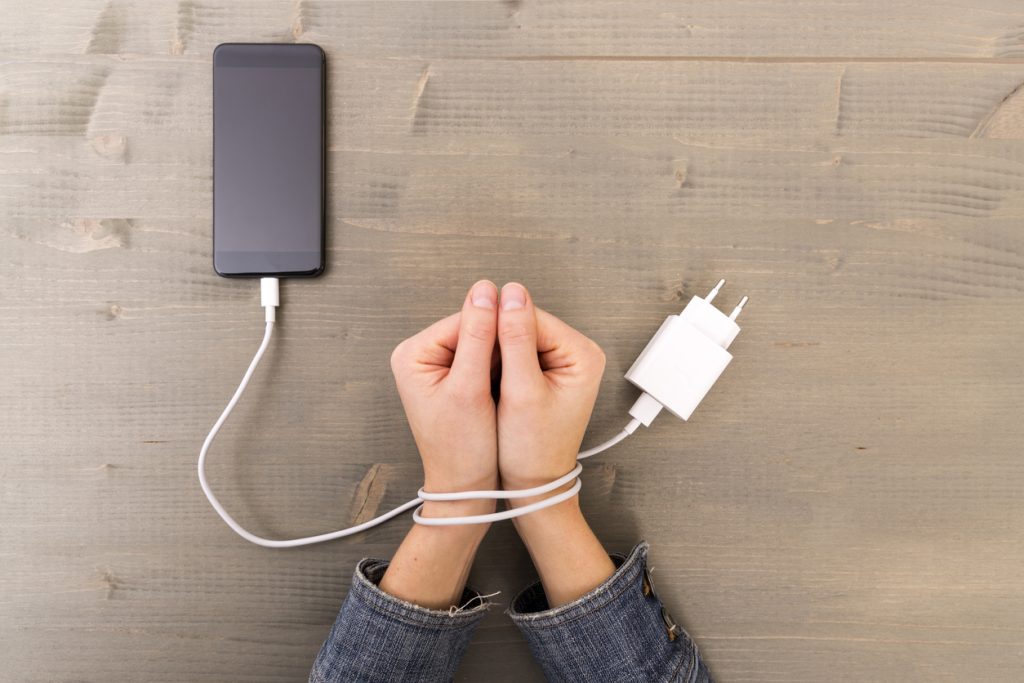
point(528, 401)
point(464, 395)
point(399, 356)
point(478, 330)
point(515, 333)
point(593, 355)
point(523, 391)
point(518, 401)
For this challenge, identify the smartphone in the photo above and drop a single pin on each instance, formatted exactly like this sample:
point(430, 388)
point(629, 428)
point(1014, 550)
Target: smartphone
point(268, 160)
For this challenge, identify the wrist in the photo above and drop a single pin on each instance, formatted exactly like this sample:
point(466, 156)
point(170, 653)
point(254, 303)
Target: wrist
point(568, 556)
point(559, 519)
point(437, 483)
point(458, 508)
point(458, 538)
point(562, 507)
point(514, 481)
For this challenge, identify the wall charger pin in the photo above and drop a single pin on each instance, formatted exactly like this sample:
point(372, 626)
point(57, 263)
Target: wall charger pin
point(684, 359)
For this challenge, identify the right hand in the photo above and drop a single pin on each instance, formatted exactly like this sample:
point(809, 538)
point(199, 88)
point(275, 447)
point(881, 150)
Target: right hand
point(550, 375)
point(443, 376)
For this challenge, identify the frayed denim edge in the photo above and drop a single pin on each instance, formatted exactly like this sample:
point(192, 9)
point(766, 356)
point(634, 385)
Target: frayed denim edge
point(370, 594)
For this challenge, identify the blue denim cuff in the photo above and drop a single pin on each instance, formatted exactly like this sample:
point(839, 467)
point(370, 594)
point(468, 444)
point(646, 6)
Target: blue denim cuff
point(378, 637)
point(620, 631)
point(366, 590)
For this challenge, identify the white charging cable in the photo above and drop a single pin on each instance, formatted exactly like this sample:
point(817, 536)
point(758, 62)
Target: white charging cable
point(682, 361)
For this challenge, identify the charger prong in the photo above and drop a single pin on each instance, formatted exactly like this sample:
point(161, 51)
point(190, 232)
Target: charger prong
point(714, 292)
point(739, 307)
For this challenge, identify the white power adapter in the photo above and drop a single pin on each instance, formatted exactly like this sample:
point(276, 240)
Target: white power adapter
point(684, 359)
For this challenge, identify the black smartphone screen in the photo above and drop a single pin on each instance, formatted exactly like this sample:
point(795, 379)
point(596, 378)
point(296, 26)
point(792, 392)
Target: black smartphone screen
point(268, 159)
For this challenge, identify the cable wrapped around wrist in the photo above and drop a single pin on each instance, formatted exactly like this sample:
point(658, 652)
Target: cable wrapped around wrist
point(270, 300)
point(501, 495)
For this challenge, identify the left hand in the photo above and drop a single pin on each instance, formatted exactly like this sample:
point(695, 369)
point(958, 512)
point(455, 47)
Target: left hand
point(443, 376)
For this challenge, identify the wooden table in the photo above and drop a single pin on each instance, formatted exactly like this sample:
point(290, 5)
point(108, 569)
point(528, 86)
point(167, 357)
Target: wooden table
point(847, 505)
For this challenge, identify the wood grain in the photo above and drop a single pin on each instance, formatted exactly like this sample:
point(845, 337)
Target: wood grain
point(845, 506)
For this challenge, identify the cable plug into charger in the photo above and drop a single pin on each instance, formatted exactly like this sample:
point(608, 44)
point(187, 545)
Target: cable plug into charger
point(684, 359)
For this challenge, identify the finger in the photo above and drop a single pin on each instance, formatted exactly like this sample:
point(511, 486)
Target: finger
point(471, 368)
point(560, 345)
point(434, 345)
point(517, 338)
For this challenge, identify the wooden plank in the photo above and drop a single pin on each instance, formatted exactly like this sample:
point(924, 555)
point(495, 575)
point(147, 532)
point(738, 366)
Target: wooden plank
point(469, 29)
point(846, 504)
point(709, 103)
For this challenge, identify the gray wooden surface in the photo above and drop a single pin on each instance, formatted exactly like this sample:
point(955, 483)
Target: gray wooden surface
point(847, 505)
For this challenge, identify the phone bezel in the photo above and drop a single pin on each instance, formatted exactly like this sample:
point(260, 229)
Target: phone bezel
point(321, 266)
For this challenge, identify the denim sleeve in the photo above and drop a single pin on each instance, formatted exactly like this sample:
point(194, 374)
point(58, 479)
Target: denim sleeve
point(620, 631)
point(378, 637)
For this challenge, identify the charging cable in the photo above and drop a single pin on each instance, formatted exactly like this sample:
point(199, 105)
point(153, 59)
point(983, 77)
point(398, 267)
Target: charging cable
point(675, 370)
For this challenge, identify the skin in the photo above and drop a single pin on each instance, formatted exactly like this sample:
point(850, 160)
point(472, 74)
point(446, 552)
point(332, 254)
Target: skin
point(549, 377)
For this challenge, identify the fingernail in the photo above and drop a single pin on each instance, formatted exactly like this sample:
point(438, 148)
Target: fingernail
point(484, 295)
point(513, 296)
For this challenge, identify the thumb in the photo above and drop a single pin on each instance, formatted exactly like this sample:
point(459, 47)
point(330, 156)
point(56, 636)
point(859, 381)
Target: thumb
point(471, 367)
point(517, 339)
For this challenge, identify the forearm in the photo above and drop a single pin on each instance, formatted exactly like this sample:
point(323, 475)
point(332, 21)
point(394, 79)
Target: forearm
point(396, 622)
point(432, 564)
point(567, 555)
point(378, 637)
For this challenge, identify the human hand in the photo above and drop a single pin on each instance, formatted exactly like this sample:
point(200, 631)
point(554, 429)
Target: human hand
point(549, 380)
point(443, 376)
point(550, 375)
